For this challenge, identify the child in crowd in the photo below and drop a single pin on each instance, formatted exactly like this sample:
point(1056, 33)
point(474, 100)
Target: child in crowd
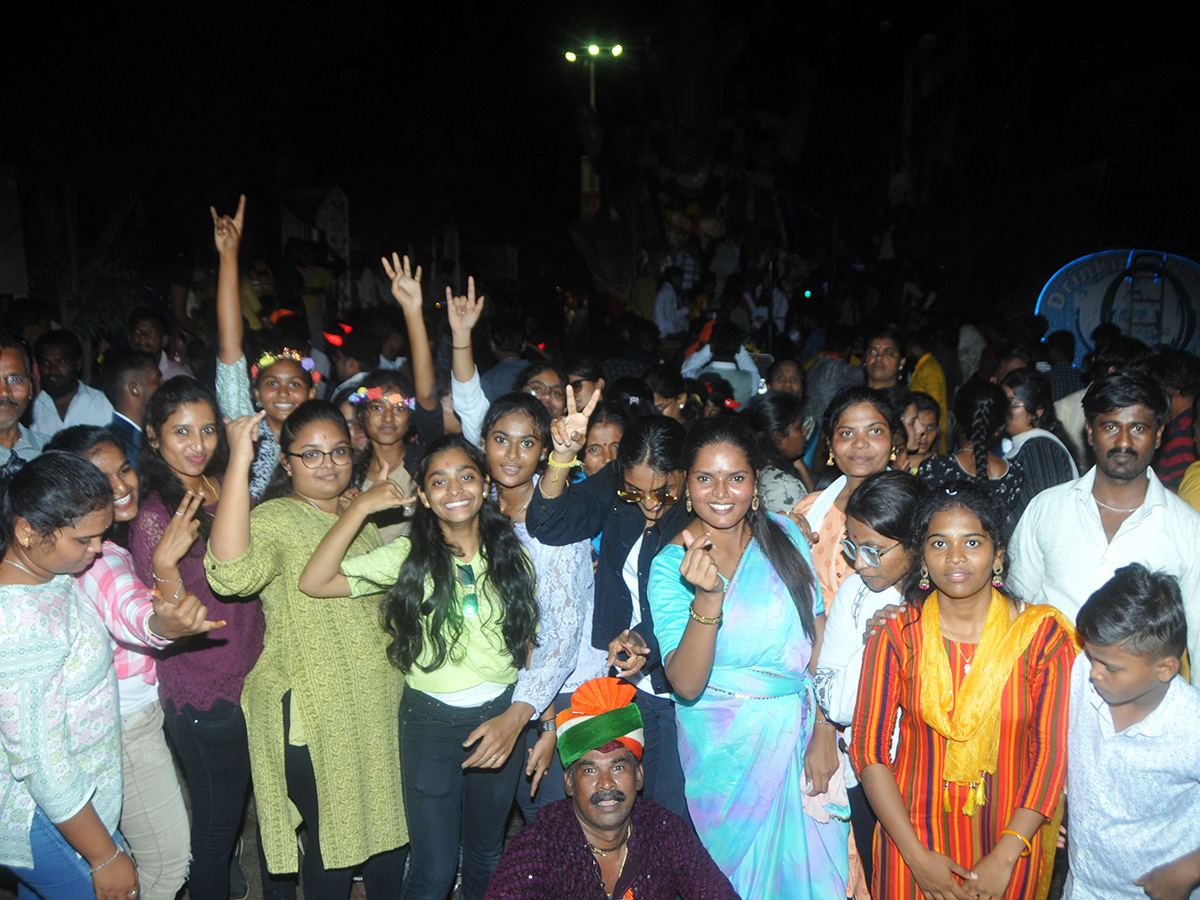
point(1133, 768)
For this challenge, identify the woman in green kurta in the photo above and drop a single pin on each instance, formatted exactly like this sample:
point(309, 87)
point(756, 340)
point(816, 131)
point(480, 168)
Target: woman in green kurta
point(321, 703)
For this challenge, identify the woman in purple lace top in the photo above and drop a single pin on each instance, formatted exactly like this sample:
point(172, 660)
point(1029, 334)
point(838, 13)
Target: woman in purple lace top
point(200, 679)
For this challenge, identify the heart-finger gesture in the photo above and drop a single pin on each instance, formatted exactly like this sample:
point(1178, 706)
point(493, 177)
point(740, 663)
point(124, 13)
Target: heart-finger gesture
point(227, 232)
point(699, 567)
point(569, 432)
point(406, 285)
point(464, 312)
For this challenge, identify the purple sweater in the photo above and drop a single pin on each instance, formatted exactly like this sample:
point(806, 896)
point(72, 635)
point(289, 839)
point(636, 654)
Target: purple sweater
point(200, 670)
point(550, 860)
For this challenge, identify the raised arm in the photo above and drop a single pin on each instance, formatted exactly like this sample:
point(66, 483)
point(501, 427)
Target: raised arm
point(463, 313)
point(568, 433)
point(406, 288)
point(322, 576)
point(227, 234)
point(230, 536)
point(689, 665)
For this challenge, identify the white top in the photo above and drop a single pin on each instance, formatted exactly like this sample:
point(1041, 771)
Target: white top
point(88, 407)
point(840, 663)
point(471, 404)
point(629, 572)
point(670, 315)
point(1060, 554)
point(1134, 794)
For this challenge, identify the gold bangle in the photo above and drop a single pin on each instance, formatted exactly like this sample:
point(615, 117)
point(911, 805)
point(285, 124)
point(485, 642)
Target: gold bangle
point(704, 620)
point(1024, 840)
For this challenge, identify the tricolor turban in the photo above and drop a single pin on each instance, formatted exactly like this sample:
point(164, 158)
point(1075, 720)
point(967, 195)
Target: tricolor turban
point(601, 713)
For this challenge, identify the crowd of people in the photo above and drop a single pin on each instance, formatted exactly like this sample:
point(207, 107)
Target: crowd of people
point(840, 620)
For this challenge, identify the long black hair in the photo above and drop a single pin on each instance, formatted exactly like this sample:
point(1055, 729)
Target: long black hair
point(51, 491)
point(653, 441)
point(526, 405)
point(781, 553)
point(1033, 391)
point(975, 498)
point(510, 580)
point(83, 441)
point(885, 502)
point(980, 412)
point(774, 413)
point(302, 416)
point(380, 378)
point(153, 471)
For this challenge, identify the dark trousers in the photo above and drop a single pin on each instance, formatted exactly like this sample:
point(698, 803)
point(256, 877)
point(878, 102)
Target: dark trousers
point(382, 873)
point(660, 756)
point(448, 805)
point(213, 748)
point(551, 787)
point(862, 821)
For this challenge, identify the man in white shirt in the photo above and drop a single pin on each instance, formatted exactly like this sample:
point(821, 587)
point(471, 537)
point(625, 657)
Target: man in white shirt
point(16, 386)
point(670, 315)
point(1074, 536)
point(148, 332)
point(64, 400)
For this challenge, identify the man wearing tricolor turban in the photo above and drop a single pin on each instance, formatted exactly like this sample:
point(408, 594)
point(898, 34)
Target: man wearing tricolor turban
point(604, 841)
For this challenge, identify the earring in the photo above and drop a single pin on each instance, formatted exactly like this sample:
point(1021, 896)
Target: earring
point(25, 543)
point(829, 462)
point(997, 576)
point(688, 501)
point(754, 502)
point(892, 458)
point(924, 584)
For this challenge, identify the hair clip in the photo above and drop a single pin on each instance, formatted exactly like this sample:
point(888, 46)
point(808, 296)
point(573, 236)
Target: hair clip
point(368, 395)
point(633, 401)
point(269, 359)
point(730, 403)
point(951, 492)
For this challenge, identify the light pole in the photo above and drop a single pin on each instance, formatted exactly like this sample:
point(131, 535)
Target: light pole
point(589, 182)
point(590, 53)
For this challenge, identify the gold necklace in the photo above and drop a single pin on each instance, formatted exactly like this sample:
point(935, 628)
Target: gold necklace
point(617, 846)
point(13, 562)
point(208, 484)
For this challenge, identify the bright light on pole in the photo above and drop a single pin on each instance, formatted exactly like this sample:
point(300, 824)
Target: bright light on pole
point(593, 50)
point(616, 51)
point(571, 57)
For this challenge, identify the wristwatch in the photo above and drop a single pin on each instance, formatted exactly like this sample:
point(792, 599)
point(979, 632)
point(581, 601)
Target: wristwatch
point(546, 725)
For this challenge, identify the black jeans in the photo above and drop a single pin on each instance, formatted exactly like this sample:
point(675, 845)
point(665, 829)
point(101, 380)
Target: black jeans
point(382, 873)
point(448, 805)
point(215, 753)
point(660, 755)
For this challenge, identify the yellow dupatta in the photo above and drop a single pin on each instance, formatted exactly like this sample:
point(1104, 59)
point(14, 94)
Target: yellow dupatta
point(973, 736)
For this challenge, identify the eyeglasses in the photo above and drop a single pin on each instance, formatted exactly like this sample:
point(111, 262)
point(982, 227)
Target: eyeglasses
point(538, 389)
point(870, 556)
point(661, 497)
point(314, 459)
point(470, 602)
point(15, 381)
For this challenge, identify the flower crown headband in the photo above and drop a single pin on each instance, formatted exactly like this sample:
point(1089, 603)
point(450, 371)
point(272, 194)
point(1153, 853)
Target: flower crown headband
point(269, 359)
point(366, 395)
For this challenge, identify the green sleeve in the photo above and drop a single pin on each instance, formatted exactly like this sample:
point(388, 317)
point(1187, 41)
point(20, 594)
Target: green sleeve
point(377, 570)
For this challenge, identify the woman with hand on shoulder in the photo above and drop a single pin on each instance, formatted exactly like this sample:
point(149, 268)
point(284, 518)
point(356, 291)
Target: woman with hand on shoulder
point(60, 773)
point(154, 819)
point(740, 618)
point(461, 613)
point(982, 680)
point(200, 679)
point(878, 519)
point(861, 430)
point(321, 702)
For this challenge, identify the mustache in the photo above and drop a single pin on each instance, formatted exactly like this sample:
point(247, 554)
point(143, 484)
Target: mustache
point(601, 796)
point(1117, 451)
point(8, 402)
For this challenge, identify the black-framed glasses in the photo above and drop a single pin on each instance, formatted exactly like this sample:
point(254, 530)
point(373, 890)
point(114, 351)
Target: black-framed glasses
point(470, 602)
point(662, 496)
point(314, 459)
point(870, 556)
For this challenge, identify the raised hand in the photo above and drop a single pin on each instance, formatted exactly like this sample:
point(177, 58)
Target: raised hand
point(178, 536)
point(241, 433)
point(227, 232)
point(383, 494)
point(699, 567)
point(464, 312)
point(636, 653)
point(569, 432)
point(406, 285)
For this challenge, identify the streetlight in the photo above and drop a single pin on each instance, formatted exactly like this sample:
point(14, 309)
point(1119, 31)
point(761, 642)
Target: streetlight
point(589, 183)
point(590, 54)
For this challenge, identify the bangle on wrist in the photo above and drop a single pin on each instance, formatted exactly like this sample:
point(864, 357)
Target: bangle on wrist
point(704, 620)
point(545, 726)
point(569, 465)
point(1028, 851)
point(456, 347)
point(94, 869)
point(176, 581)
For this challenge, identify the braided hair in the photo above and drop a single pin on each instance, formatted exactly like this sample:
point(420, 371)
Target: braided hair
point(980, 412)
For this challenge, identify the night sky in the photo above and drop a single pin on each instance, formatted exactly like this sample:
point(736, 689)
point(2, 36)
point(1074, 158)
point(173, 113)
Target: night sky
point(435, 115)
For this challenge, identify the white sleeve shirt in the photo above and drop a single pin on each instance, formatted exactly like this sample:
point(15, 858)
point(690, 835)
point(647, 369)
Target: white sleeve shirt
point(88, 407)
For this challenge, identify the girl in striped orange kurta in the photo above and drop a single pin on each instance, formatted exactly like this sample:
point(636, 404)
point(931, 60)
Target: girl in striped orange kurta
point(982, 680)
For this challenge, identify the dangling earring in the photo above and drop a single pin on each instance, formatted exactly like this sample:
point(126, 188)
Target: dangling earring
point(892, 458)
point(829, 462)
point(924, 584)
point(754, 502)
point(997, 576)
point(688, 501)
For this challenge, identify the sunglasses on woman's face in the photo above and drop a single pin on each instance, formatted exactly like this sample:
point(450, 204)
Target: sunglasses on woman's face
point(870, 556)
point(661, 497)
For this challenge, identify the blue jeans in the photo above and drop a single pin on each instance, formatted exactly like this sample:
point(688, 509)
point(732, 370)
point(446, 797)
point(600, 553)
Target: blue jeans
point(58, 873)
point(214, 750)
point(448, 805)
